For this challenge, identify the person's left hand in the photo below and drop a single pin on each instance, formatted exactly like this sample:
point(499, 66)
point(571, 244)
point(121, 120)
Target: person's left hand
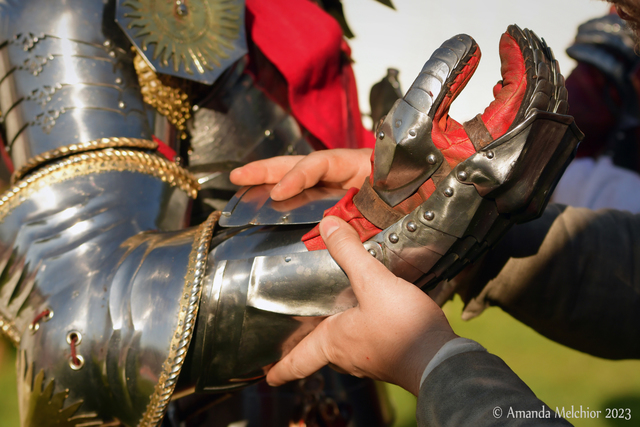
point(339, 167)
point(391, 335)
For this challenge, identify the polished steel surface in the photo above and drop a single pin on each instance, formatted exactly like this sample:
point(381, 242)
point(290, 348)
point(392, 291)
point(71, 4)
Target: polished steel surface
point(76, 246)
point(62, 79)
point(238, 125)
point(255, 207)
point(404, 138)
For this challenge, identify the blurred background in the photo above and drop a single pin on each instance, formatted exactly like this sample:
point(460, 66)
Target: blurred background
point(404, 39)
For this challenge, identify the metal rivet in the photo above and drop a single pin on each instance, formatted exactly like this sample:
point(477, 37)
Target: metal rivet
point(431, 159)
point(448, 191)
point(372, 252)
point(287, 259)
point(196, 107)
point(267, 133)
point(412, 226)
point(398, 123)
point(412, 133)
point(393, 238)
point(107, 43)
point(490, 155)
point(118, 81)
point(112, 54)
point(181, 8)
point(121, 104)
point(79, 365)
point(429, 215)
point(381, 135)
point(462, 176)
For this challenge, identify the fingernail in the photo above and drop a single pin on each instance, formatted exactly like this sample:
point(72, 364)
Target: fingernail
point(328, 226)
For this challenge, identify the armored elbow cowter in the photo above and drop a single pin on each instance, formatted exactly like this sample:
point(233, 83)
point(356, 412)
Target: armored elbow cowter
point(109, 297)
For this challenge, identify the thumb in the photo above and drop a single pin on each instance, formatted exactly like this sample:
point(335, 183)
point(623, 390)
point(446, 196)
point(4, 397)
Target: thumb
point(347, 250)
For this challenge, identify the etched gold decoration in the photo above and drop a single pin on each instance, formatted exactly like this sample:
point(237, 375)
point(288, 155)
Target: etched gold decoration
point(164, 94)
point(192, 33)
point(186, 323)
point(40, 407)
point(93, 162)
point(81, 147)
point(9, 330)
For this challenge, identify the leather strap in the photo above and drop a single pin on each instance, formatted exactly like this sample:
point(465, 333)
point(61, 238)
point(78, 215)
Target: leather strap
point(373, 208)
point(477, 132)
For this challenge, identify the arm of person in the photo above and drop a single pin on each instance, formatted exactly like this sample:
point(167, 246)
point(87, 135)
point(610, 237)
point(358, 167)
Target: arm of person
point(572, 275)
point(399, 335)
point(342, 168)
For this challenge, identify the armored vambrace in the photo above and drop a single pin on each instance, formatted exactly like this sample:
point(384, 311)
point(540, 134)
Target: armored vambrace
point(107, 296)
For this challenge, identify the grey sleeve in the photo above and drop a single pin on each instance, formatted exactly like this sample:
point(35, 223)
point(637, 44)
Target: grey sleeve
point(573, 275)
point(478, 389)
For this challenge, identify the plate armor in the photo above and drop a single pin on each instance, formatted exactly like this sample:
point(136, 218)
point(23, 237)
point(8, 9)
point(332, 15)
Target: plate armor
point(121, 314)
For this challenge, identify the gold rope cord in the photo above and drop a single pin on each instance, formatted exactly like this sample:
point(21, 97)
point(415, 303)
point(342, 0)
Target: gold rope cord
point(165, 94)
point(81, 147)
point(186, 323)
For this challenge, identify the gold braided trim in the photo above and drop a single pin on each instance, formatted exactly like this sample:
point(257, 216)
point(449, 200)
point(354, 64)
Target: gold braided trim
point(81, 147)
point(94, 162)
point(166, 94)
point(9, 330)
point(186, 322)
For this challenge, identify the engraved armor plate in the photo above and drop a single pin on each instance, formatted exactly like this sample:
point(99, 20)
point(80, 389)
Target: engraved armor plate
point(193, 39)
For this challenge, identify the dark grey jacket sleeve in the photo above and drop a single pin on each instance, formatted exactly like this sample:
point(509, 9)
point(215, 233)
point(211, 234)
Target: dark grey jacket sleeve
point(479, 389)
point(573, 275)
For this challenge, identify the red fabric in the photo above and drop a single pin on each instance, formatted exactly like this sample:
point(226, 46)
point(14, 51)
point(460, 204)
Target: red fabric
point(164, 149)
point(448, 135)
point(6, 159)
point(306, 45)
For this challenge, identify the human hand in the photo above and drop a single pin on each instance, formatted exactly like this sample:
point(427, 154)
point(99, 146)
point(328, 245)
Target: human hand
point(342, 168)
point(391, 335)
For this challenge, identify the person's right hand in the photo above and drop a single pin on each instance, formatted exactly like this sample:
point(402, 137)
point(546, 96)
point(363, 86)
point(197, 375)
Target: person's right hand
point(341, 168)
point(391, 335)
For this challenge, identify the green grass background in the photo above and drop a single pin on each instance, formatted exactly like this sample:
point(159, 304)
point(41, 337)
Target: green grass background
point(558, 375)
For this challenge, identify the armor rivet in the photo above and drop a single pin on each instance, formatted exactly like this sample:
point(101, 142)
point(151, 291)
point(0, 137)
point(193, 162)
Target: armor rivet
point(490, 155)
point(462, 176)
point(107, 43)
point(267, 133)
point(381, 135)
point(448, 191)
point(290, 149)
point(393, 238)
point(429, 215)
point(121, 104)
point(372, 252)
point(181, 8)
point(287, 259)
point(412, 226)
point(196, 108)
point(398, 123)
point(118, 81)
point(431, 159)
point(112, 54)
point(412, 133)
